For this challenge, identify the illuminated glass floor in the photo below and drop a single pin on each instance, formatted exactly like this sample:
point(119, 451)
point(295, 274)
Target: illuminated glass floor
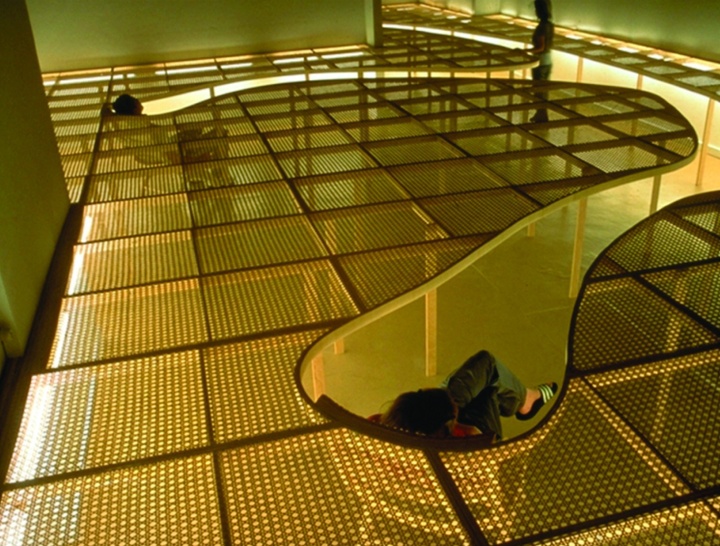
point(219, 243)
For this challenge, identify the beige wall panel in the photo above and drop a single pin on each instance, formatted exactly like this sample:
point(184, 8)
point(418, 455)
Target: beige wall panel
point(72, 34)
point(33, 201)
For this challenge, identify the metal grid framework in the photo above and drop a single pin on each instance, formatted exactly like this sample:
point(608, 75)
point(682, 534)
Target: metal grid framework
point(218, 244)
point(675, 69)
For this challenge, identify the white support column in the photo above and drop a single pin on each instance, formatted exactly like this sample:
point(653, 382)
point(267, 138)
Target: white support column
point(579, 76)
point(704, 147)
point(577, 248)
point(318, 376)
point(655, 197)
point(431, 333)
point(373, 23)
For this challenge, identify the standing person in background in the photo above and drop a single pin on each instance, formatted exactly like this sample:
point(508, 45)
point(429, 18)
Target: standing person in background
point(542, 42)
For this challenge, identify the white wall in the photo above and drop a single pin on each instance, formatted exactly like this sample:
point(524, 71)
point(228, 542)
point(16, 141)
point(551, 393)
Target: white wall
point(690, 26)
point(33, 197)
point(72, 34)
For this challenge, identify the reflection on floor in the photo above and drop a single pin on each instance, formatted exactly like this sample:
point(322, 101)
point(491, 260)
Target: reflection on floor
point(169, 433)
point(513, 301)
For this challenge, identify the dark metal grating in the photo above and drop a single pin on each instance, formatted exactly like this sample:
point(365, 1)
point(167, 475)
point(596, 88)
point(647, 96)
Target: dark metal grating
point(221, 243)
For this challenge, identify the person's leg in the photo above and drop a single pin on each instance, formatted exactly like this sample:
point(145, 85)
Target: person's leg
point(541, 73)
point(511, 392)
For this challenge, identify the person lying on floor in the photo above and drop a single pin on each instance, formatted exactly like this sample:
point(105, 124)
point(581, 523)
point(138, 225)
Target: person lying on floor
point(127, 105)
point(469, 402)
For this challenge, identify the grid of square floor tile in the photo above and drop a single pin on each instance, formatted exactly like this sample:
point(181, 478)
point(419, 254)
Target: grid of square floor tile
point(694, 288)
point(173, 502)
point(372, 227)
point(285, 297)
point(128, 322)
point(676, 72)
point(234, 204)
point(261, 300)
point(564, 135)
point(380, 276)
point(341, 190)
point(135, 217)
point(231, 172)
point(258, 243)
point(662, 241)
point(597, 466)
point(621, 320)
point(673, 404)
point(488, 211)
point(701, 214)
point(412, 151)
point(251, 387)
point(324, 161)
point(144, 183)
point(110, 414)
point(693, 523)
point(446, 177)
point(131, 261)
point(652, 291)
point(526, 168)
point(335, 488)
point(496, 142)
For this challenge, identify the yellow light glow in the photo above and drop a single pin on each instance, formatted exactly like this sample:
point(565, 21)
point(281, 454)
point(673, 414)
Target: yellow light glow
point(188, 70)
point(176, 102)
point(63, 324)
point(29, 449)
point(698, 66)
point(78, 262)
point(320, 76)
point(88, 79)
point(290, 60)
point(344, 55)
point(430, 30)
point(235, 65)
point(398, 27)
point(86, 229)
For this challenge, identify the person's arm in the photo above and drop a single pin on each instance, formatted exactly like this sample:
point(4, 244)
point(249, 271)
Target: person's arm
point(471, 378)
point(461, 429)
point(539, 47)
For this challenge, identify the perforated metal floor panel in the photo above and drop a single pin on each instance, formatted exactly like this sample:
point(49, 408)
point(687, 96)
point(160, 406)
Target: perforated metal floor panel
point(220, 243)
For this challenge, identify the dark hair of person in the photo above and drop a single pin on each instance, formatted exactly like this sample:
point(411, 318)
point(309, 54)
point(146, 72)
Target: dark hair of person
point(543, 10)
point(427, 411)
point(125, 105)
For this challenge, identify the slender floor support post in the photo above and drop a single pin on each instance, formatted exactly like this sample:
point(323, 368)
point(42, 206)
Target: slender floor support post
point(655, 193)
point(705, 141)
point(339, 346)
point(431, 333)
point(577, 248)
point(531, 230)
point(318, 376)
point(579, 76)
